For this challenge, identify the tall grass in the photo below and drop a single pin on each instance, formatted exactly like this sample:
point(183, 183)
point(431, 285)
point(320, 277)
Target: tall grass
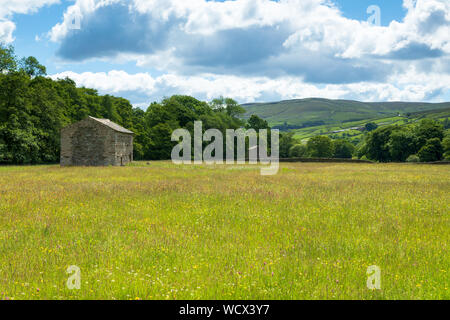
point(162, 231)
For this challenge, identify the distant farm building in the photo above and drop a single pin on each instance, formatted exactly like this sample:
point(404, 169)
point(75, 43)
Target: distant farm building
point(96, 142)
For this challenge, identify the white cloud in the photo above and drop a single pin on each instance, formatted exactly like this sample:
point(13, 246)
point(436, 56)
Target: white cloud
point(79, 10)
point(6, 31)
point(10, 7)
point(427, 22)
point(313, 24)
point(260, 49)
point(113, 81)
point(410, 86)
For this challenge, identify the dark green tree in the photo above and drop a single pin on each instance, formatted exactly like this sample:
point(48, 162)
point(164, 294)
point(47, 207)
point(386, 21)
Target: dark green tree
point(428, 129)
point(32, 67)
point(298, 151)
point(446, 147)
point(377, 144)
point(371, 126)
point(432, 151)
point(446, 124)
point(320, 147)
point(287, 141)
point(257, 123)
point(160, 146)
point(401, 144)
point(109, 108)
point(342, 149)
point(8, 62)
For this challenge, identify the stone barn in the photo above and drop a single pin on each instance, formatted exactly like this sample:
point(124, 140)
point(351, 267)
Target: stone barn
point(96, 142)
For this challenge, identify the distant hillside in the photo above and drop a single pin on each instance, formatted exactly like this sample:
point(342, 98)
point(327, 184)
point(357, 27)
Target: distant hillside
point(433, 114)
point(315, 112)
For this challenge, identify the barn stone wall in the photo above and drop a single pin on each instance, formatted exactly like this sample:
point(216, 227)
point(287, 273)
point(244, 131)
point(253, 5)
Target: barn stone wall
point(123, 148)
point(90, 143)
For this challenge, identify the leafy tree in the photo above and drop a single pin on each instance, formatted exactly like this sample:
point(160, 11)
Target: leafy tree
point(48, 117)
point(320, 147)
point(8, 62)
point(428, 129)
point(342, 149)
point(298, 151)
point(432, 151)
point(361, 149)
point(32, 67)
point(377, 144)
point(161, 119)
point(20, 146)
point(109, 108)
point(218, 104)
point(371, 126)
point(446, 147)
point(287, 141)
point(257, 123)
point(160, 142)
point(141, 138)
point(446, 124)
point(401, 144)
point(228, 105)
point(233, 109)
point(394, 143)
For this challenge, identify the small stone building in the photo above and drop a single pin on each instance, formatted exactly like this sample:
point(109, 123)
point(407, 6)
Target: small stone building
point(96, 142)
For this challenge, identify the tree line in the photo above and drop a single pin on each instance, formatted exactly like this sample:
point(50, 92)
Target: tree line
point(34, 109)
point(425, 141)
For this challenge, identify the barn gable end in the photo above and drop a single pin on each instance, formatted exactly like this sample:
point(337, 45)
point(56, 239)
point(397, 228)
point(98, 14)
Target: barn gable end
point(96, 142)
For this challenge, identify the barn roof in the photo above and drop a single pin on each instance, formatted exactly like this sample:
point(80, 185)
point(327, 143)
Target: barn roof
point(112, 125)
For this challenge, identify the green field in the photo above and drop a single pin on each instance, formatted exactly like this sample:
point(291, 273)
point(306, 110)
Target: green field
point(303, 111)
point(160, 231)
point(349, 133)
point(343, 115)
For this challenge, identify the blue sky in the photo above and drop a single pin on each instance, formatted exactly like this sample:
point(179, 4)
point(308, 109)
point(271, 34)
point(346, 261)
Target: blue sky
point(257, 50)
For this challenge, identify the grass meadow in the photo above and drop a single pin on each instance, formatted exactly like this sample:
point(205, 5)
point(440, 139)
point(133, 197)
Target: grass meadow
point(161, 231)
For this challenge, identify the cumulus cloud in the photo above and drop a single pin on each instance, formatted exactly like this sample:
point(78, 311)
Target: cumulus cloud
point(305, 45)
point(312, 24)
point(204, 86)
point(413, 85)
point(8, 8)
point(6, 31)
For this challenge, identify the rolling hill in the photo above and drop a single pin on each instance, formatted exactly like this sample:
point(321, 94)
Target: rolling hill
point(315, 111)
